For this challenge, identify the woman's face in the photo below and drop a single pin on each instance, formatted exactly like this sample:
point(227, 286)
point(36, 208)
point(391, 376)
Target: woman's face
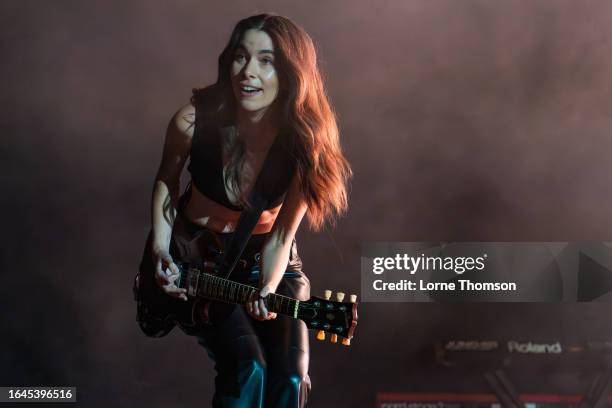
point(254, 77)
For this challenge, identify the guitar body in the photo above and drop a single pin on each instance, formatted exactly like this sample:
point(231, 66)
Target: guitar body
point(158, 313)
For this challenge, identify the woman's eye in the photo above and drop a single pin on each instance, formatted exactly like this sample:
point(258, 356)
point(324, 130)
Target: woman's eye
point(267, 60)
point(239, 57)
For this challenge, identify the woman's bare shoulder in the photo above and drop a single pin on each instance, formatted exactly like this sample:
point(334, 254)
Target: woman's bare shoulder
point(183, 121)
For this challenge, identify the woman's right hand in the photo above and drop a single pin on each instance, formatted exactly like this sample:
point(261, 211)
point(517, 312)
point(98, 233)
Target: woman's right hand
point(166, 272)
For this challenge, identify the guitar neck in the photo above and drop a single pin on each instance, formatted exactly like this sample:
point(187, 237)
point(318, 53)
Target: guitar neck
point(201, 284)
point(335, 317)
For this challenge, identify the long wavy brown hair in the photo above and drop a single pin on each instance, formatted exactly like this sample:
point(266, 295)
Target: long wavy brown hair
point(323, 170)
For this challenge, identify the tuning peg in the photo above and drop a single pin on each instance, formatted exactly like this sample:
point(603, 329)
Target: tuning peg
point(340, 296)
point(327, 294)
point(346, 342)
point(334, 338)
point(320, 335)
point(353, 298)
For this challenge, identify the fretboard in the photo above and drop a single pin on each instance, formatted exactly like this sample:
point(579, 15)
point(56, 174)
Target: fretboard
point(201, 284)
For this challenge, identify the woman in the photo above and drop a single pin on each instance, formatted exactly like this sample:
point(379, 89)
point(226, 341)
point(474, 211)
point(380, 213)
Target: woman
point(269, 90)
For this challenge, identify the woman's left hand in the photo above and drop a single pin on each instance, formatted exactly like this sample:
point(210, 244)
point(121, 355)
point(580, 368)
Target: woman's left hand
point(257, 308)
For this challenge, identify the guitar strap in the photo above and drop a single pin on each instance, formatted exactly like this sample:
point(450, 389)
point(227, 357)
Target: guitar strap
point(275, 174)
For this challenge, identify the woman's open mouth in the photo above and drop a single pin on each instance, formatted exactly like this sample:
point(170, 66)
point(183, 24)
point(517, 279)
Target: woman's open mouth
point(249, 91)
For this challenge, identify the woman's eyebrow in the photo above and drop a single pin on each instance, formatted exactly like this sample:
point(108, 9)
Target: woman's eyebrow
point(243, 48)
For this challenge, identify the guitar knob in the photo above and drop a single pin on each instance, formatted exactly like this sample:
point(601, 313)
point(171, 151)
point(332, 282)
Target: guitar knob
point(320, 335)
point(353, 298)
point(346, 342)
point(327, 294)
point(340, 296)
point(334, 338)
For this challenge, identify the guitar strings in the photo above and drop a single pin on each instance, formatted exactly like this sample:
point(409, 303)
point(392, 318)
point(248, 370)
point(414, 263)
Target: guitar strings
point(219, 288)
point(225, 289)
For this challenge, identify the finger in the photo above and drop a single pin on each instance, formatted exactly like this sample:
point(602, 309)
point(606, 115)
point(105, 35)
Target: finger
point(253, 315)
point(262, 307)
point(252, 301)
point(271, 315)
point(172, 289)
point(171, 280)
point(159, 273)
point(161, 268)
point(166, 264)
point(256, 309)
point(176, 295)
point(163, 280)
point(173, 267)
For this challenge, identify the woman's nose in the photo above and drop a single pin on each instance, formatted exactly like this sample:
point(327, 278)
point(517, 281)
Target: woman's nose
point(250, 68)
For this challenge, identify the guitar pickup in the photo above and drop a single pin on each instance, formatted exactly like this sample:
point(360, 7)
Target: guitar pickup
point(193, 281)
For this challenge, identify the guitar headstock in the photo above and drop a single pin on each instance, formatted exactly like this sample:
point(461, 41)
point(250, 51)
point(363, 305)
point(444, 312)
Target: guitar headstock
point(338, 318)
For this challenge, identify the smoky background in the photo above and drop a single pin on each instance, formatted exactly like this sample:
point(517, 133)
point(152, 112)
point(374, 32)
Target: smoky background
point(465, 120)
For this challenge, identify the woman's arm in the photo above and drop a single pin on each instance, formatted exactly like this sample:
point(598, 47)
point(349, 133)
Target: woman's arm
point(165, 195)
point(275, 252)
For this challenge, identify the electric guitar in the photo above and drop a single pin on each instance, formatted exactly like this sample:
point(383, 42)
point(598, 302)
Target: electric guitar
point(158, 313)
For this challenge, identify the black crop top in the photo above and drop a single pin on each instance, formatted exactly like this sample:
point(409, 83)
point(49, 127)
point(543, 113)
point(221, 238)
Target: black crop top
point(206, 165)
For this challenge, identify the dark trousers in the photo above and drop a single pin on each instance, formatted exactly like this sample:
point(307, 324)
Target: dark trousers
point(258, 363)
